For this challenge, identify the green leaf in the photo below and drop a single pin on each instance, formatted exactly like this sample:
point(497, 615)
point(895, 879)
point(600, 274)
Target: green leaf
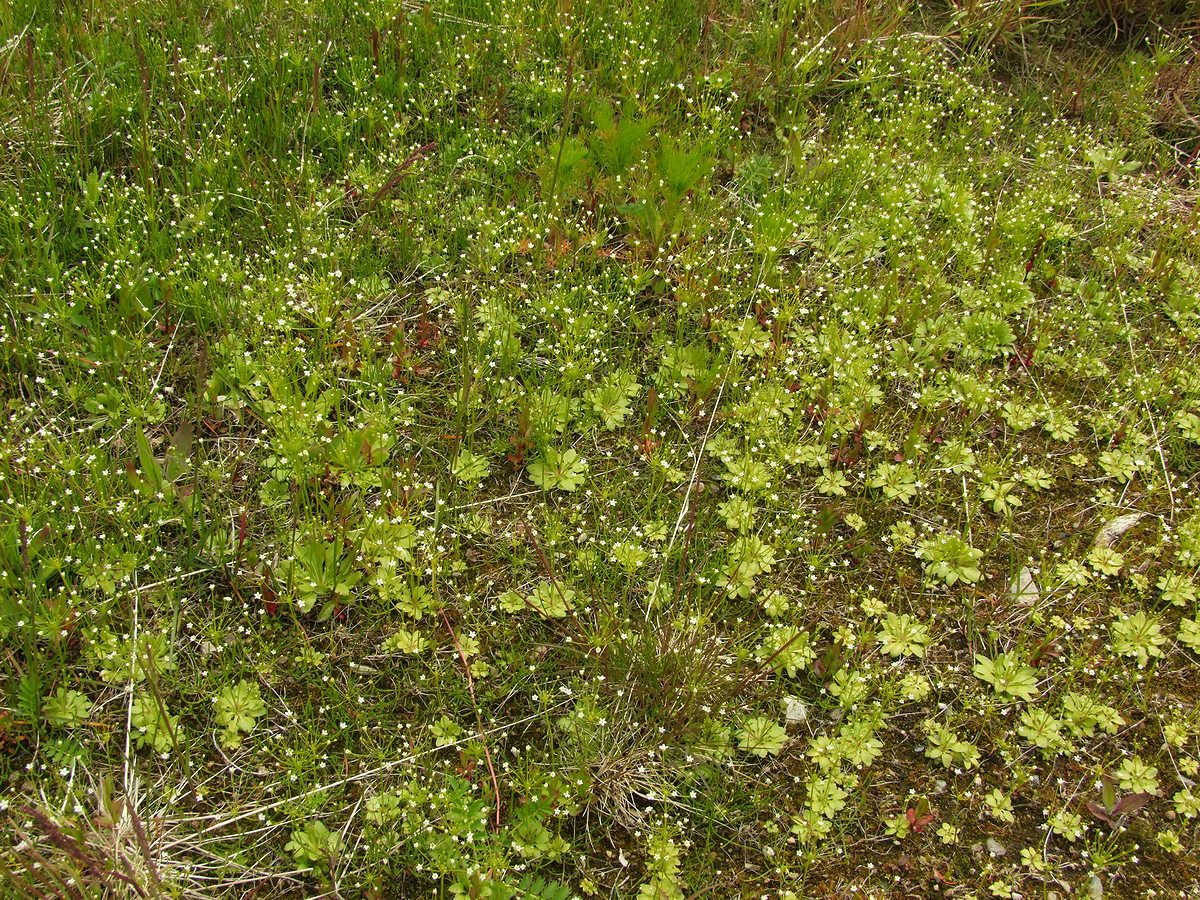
point(238, 707)
point(950, 558)
point(618, 145)
point(29, 696)
point(445, 731)
point(314, 844)
point(1007, 676)
point(150, 471)
point(470, 467)
point(901, 636)
point(1138, 635)
point(550, 599)
point(534, 888)
point(66, 707)
point(564, 471)
point(761, 737)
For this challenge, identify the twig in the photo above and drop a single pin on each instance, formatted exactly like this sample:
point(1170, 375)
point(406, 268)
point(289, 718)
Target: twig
point(166, 354)
point(487, 754)
point(397, 176)
point(1149, 416)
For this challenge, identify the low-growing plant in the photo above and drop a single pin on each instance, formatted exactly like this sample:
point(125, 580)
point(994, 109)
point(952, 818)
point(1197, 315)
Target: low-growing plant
point(65, 707)
point(238, 707)
point(324, 572)
point(314, 846)
point(153, 726)
point(760, 736)
point(470, 467)
point(596, 444)
point(1007, 675)
point(662, 869)
point(1138, 634)
point(901, 636)
point(948, 748)
point(950, 559)
point(999, 805)
point(555, 470)
point(1042, 729)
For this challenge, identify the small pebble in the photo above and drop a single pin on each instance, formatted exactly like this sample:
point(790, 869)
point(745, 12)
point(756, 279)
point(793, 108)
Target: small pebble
point(794, 710)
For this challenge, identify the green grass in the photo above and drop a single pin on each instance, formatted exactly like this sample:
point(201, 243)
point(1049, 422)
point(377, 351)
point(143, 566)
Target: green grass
point(506, 450)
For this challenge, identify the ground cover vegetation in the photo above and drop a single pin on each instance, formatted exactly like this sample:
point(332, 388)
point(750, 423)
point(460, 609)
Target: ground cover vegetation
point(578, 449)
